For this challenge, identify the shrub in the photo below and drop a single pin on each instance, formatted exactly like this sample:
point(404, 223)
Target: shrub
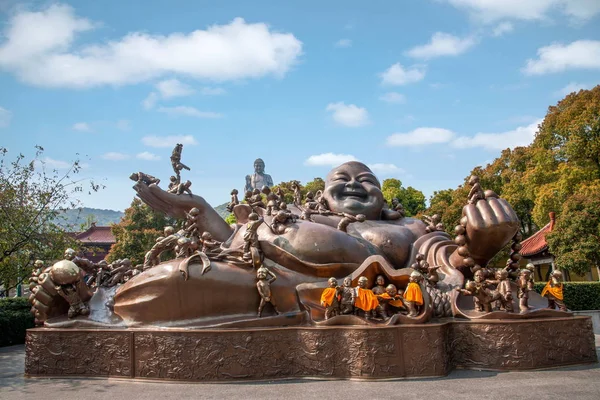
point(15, 319)
point(578, 295)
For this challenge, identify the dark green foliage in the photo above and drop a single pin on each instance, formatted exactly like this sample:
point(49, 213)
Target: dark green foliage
point(578, 295)
point(15, 319)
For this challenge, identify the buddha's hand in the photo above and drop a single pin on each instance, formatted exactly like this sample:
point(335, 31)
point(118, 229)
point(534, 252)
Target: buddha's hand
point(47, 302)
point(487, 226)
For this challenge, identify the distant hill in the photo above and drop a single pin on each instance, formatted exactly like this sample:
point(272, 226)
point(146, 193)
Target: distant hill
point(222, 210)
point(77, 216)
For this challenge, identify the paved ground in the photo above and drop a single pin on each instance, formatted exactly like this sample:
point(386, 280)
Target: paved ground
point(575, 383)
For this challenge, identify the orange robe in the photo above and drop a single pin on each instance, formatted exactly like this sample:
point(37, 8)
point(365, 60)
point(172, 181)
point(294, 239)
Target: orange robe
point(327, 297)
point(413, 293)
point(365, 299)
point(556, 291)
point(396, 303)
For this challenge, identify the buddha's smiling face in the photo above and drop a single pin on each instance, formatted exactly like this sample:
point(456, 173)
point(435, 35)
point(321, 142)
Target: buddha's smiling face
point(352, 188)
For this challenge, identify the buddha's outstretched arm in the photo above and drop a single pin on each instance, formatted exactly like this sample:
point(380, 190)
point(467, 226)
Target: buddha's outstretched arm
point(177, 206)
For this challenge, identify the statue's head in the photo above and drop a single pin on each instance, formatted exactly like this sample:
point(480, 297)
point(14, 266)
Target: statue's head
point(502, 274)
point(470, 286)
point(169, 230)
point(353, 188)
point(347, 281)
point(126, 261)
point(362, 282)
point(206, 236)
point(530, 267)
point(194, 211)
point(259, 166)
point(391, 290)
point(283, 205)
point(479, 276)
point(261, 273)
point(473, 179)
point(332, 282)
point(556, 274)
point(69, 254)
point(380, 280)
point(234, 191)
point(415, 277)
point(39, 264)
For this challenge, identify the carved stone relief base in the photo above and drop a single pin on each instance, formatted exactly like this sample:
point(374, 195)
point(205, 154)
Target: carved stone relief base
point(432, 349)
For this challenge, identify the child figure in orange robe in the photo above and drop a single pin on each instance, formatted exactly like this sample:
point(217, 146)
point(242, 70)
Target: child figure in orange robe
point(330, 300)
point(413, 296)
point(367, 301)
point(392, 300)
point(554, 291)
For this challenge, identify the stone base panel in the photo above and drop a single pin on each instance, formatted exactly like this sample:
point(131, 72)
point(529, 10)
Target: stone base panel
point(335, 352)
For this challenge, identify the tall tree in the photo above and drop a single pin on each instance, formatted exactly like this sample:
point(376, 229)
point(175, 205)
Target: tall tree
point(137, 231)
point(575, 239)
point(32, 199)
point(412, 199)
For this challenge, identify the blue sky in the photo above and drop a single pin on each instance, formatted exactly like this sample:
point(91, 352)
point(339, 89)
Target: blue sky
point(422, 91)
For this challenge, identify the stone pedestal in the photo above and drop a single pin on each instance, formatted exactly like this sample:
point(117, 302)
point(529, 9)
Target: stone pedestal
point(399, 351)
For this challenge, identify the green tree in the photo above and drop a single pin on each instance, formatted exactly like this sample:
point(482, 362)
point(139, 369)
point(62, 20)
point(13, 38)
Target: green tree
point(137, 232)
point(412, 200)
point(32, 199)
point(288, 192)
point(314, 186)
point(575, 239)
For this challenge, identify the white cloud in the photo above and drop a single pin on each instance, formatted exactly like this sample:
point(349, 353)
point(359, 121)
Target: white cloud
point(420, 136)
point(348, 115)
point(38, 47)
point(521, 136)
point(489, 11)
point(168, 141)
point(343, 43)
point(150, 101)
point(398, 75)
point(442, 44)
point(56, 164)
point(329, 159)
point(5, 117)
point(393, 97)
point(212, 91)
point(147, 156)
point(581, 54)
point(572, 87)
point(386, 169)
point(81, 127)
point(170, 88)
point(188, 112)
point(114, 156)
point(502, 28)
point(123, 125)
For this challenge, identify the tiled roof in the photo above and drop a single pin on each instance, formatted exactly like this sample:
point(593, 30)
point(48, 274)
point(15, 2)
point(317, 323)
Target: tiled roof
point(536, 243)
point(96, 234)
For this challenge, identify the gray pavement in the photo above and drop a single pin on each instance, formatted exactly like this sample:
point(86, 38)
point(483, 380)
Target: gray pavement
point(573, 383)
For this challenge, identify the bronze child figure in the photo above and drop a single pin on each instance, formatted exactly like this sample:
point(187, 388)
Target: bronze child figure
point(264, 289)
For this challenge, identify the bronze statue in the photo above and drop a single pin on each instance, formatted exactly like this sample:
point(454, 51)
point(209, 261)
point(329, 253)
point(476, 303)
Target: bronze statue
point(176, 161)
point(180, 188)
point(119, 272)
point(476, 192)
point(524, 285)
point(272, 201)
point(503, 287)
point(347, 219)
point(264, 289)
point(282, 217)
point(234, 200)
point(398, 207)
point(312, 249)
point(331, 298)
point(348, 297)
point(209, 245)
point(251, 236)
point(413, 296)
point(256, 200)
point(366, 301)
point(173, 182)
point(280, 195)
point(297, 193)
point(66, 276)
point(553, 291)
point(433, 223)
point(145, 178)
point(379, 287)
point(259, 178)
point(392, 300)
